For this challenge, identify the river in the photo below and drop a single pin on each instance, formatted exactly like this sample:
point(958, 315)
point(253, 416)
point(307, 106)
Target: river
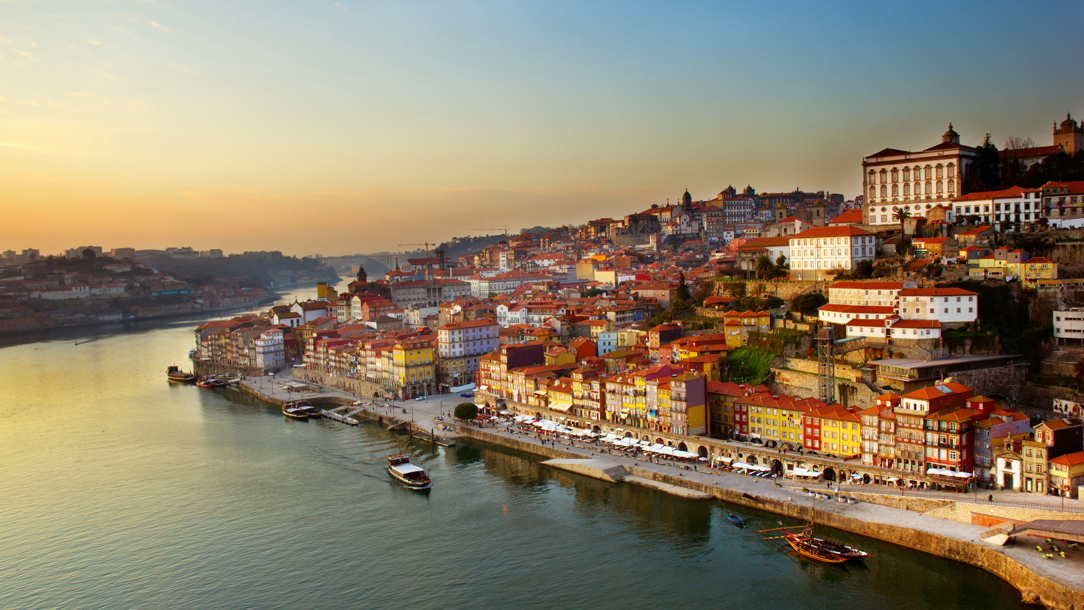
point(120, 490)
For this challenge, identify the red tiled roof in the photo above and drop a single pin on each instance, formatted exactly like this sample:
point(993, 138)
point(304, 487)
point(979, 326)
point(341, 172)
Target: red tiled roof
point(868, 285)
point(935, 292)
point(837, 231)
point(847, 217)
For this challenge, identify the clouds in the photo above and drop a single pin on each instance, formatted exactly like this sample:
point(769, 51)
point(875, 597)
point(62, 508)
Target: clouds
point(159, 26)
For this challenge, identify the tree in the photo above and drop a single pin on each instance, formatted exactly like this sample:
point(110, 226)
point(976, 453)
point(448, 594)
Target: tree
point(465, 410)
point(764, 267)
point(736, 289)
point(781, 262)
point(682, 289)
point(809, 302)
point(984, 174)
point(901, 214)
point(594, 292)
point(89, 254)
point(863, 269)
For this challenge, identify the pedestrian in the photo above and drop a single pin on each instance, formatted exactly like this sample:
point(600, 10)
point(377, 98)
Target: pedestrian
point(991, 498)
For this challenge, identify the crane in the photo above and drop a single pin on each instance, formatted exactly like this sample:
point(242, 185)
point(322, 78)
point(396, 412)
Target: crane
point(426, 244)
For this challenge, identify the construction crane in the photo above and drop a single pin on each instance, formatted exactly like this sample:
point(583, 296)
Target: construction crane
point(827, 350)
point(426, 244)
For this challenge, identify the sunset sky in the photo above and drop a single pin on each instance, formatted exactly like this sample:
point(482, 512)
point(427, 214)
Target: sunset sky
point(341, 127)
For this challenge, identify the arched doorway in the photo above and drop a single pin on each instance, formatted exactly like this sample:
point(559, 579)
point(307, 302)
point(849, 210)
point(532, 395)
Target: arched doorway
point(777, 468)
point(628, 435)
point(538, 415)
point(865, 479)
point(702, 451)
point(751, 460)
point(659, 441)
point(645, 438)
point(596, 429)
point(682, 447)
point(376, 394)
point(829, 474)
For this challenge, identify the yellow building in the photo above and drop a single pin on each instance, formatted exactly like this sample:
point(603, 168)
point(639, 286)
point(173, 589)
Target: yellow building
point(413, 368)
point(840, 430)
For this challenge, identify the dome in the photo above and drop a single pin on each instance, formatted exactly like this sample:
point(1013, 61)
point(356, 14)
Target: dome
point(686, 198)
point(1068, 123)
point(951, 135)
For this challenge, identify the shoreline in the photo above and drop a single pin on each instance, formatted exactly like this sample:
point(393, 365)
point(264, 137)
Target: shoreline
point(901, 525)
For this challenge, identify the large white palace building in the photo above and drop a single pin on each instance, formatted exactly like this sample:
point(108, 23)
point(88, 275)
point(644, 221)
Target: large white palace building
point(917, 181)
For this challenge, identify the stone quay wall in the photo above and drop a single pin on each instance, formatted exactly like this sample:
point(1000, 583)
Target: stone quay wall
point(964, 511)
point(1035, 588)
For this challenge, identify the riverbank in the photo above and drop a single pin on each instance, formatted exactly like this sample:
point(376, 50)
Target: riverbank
point(1055, 583)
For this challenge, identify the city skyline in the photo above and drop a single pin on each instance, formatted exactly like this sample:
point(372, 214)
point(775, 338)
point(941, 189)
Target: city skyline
point(347, 127)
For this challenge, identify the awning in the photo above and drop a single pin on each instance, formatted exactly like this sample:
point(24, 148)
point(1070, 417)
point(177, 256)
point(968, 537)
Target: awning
point(725, 460)
point(802, 472)
point(945, 472)
point(561, 406)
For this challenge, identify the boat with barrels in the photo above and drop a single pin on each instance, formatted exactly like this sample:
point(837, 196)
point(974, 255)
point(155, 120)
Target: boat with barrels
point(300, 409)
point(411, 476)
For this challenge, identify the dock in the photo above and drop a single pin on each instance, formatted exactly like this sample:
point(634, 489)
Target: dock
point(340, 417)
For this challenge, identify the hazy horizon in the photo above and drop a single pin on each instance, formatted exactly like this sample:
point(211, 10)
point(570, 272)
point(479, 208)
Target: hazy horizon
point(348, 127)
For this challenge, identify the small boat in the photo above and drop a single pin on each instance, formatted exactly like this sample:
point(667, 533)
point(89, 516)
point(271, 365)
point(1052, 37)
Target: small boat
point(413, 477)
point(823, 550)
point(210, 383)
point(175, 374)
point(736, 520)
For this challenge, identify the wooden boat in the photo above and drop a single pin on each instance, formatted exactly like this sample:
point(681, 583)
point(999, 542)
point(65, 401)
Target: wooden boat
point(736, 520)
point(831, 546)
point(411, 476)
point(210, 383)
point(806, 548)
point(176, 375)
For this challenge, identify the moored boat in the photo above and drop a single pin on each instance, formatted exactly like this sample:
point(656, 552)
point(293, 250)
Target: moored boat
point(175, 374)
point(413, 477)
point(211, 382)
point(292, 411)
point(831, 546)
point(806, 548)
point(736, 520)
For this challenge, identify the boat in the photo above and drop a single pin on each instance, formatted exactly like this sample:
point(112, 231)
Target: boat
point(823, 550)
point(413, 477)
point(211, 382)
point(736, 520)
point(832, 546)
point(304, 407)
point(805, 547)
point(175, 374)
point(292, 411)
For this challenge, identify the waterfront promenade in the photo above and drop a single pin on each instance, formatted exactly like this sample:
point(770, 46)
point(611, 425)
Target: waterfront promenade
point(948, 535)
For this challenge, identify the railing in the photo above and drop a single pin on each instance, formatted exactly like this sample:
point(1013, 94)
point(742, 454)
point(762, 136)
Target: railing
point(976, 497)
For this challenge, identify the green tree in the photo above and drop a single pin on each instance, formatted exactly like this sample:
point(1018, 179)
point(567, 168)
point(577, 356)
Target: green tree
point(781, 262)
point(809, 302)
point(901, 214)
point(984, 173)
point(764, 267)
point(863, 269)
point(682, 289)
point(465, 410)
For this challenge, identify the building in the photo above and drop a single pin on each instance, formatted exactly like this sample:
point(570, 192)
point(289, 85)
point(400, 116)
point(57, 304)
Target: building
point(460, 346)
point(413, 369)
point(819, 251)
point(1062, 204)
point(895, 180)
point(911, 416)
point(944, 305)
point(1069, 326)
point(1006, 209)
point(1067, 474)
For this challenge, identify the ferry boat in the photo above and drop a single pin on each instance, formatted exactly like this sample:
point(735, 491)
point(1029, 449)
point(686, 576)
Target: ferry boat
point(413, 477)
point(176, 374)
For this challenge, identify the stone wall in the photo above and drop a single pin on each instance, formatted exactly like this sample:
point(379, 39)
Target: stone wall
point(963, 511)
point(784, 289)
point(1003, 380)
point(364, 389)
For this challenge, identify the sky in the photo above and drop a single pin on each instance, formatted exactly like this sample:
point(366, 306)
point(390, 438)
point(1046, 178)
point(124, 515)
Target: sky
point(348, 127)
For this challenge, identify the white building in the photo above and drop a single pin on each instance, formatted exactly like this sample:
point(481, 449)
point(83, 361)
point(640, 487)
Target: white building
point(874, 294)
point(945, 305)
point(473, 338)
point(917, 181)
point(270, 349)
point(1003, 209)
point(816, 252)
point(1069, 326)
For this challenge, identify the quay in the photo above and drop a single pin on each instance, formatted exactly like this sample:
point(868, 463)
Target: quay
point(954, 526)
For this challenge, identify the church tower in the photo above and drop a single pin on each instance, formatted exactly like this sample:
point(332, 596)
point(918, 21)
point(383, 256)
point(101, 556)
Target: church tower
point(1069, 136)
point(950, 136)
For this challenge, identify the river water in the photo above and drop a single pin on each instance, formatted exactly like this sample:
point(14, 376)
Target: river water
point(119, 490)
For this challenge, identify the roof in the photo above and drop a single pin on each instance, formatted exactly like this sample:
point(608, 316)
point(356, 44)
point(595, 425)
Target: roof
point(976, 231)
point(836, 231)
point(929, 240)
point(1014, 191)
point(1026, 153)
point(935, 391)
point(917, 324)
point(848, 217)
point(868, 285)
point(935, 292)
point(873, 309)
point(1069, 459)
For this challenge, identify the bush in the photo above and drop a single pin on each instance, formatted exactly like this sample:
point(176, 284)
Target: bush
point(465, 410)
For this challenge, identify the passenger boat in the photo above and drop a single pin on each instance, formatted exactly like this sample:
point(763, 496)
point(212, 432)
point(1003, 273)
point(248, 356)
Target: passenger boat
point(413, 477)
point(177, 375)
point(736, 520)
point(292, 411)
point(304, 407)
